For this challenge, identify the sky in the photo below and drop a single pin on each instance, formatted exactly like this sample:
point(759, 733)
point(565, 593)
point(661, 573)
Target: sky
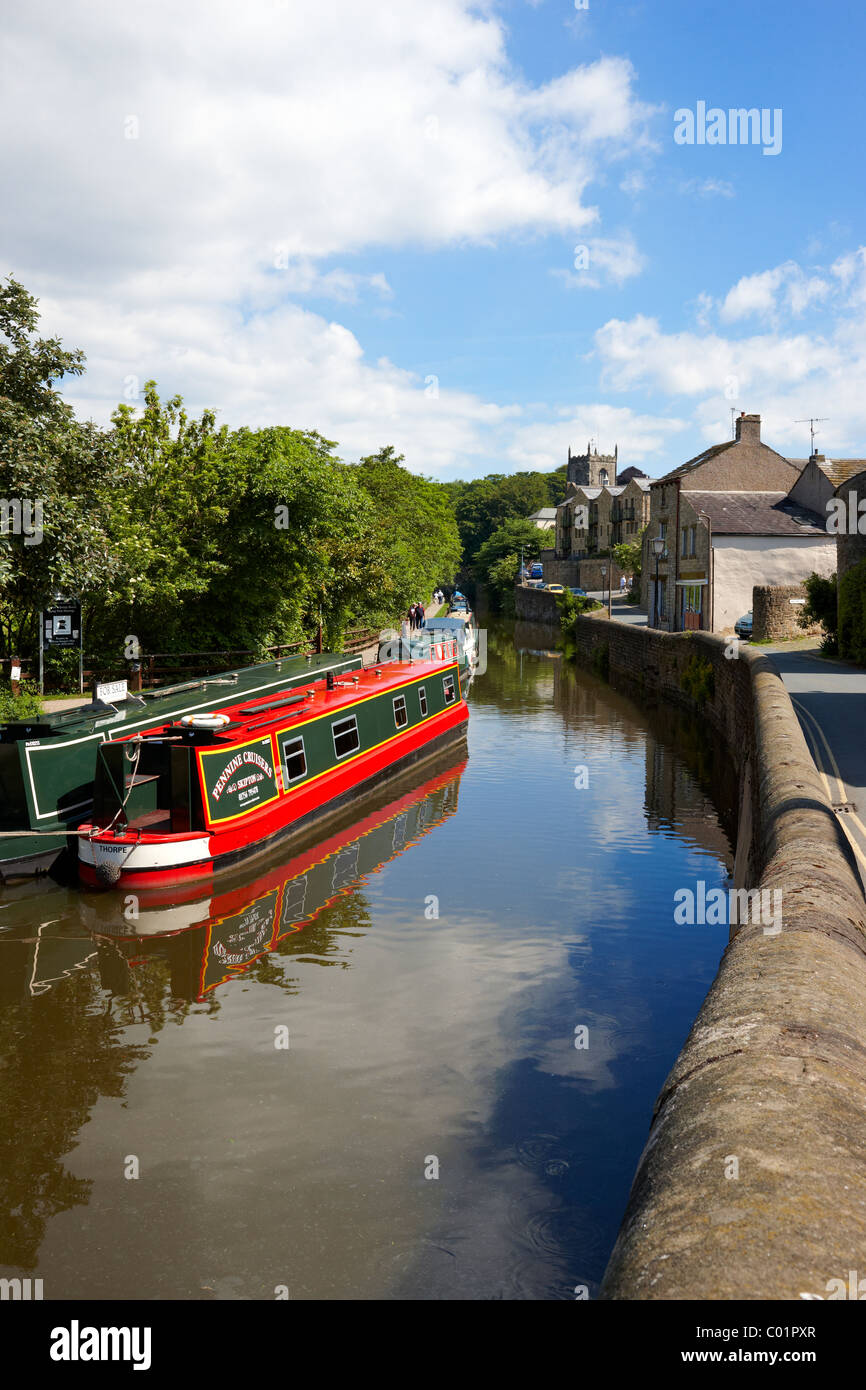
point(481, 233)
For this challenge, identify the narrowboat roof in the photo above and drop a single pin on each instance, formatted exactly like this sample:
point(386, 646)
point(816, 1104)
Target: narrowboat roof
point(453, 620)
point(315, 699)
point(202, 694)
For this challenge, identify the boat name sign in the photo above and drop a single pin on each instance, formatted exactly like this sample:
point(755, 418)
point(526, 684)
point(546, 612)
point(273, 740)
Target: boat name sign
point(244, 779)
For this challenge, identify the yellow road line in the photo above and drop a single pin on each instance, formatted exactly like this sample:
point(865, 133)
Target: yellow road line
point(845, 815)
point(816, 757)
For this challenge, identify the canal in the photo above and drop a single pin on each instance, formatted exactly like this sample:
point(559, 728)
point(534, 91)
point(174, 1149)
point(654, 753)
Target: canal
point(417, 1061)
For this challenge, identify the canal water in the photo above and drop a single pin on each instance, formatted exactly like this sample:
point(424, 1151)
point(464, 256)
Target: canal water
point(416, 1061)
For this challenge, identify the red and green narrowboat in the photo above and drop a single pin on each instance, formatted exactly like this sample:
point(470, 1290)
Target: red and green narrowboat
point(47, 766)
point(204, 792)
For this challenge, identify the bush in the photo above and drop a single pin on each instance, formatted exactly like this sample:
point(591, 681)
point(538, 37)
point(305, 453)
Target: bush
point(698, 679)
point(17, 709)
point(571, 606)
point(852, 614)
point(822, 607)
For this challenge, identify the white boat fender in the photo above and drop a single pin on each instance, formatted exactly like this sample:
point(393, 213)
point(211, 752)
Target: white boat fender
point(205, 721)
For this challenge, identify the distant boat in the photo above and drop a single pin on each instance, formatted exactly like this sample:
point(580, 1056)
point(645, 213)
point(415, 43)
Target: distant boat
point(47, 766)
point(423, 642)
point(460, 628)
point(203, 792)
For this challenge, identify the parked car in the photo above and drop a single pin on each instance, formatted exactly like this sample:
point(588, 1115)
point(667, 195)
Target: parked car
point(743, 626)
point(578, 593)
point(554, 588)
point(536, 571)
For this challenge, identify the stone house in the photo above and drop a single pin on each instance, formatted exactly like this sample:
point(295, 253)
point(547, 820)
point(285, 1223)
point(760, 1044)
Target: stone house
point(729, 521)
point(595, 516)
point(630, 512)
point(544, 518)
point(821, 478)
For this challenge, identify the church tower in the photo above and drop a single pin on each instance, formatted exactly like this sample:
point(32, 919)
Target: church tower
point(592, 469)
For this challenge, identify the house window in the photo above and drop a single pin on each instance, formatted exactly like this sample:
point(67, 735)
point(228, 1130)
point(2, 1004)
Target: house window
point(448, 688)
point(401, 717)
point(346, 739)
point(685, 545)
point(422, 701)
point(663, 530)
point(294, 760)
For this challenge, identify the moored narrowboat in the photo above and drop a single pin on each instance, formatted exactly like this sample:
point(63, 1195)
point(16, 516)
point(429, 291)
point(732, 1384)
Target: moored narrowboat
point(430, 641)
point(47, 766)
point(202, 793)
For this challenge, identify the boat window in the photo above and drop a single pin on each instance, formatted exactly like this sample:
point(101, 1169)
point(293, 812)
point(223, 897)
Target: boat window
point(422, 701)
point(294, 759)
point(448, 687)
point(401, 715)
point(346, 738)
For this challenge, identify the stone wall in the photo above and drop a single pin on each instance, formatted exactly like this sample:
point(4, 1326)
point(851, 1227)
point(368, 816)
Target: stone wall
point(774, 617)
point(583, 574)
point(773, 1072)
point(535, 605)
point(561, 572)
point(538, 606)
point(590, 574)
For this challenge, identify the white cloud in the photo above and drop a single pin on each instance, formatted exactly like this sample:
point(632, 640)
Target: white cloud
point(638, 353)
point(633, 183)
point(783, 376)
point(323, 128)
point(708, 188)
point(604, 261)
point(770, 292)
point(178, 178)
point(643, 439)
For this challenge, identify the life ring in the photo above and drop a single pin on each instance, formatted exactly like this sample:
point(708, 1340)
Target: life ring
point(205, 721)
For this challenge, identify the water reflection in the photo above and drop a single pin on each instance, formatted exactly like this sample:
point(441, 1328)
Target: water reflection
point(430, 963)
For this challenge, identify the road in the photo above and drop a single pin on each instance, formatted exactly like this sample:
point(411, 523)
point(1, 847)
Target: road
point(830, 700)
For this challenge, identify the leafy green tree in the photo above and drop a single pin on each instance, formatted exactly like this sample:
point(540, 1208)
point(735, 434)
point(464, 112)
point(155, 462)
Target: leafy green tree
point(852, 614)
point(415, 529)
point(484, 504)
point(61, 474)
point(628, 555)
point(821, 607)
point(498, 560)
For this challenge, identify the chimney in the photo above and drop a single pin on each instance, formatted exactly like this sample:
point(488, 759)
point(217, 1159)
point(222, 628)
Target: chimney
point(749, 428)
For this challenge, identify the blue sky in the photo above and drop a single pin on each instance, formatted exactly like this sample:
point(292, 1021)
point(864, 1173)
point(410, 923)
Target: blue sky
point(363, 219)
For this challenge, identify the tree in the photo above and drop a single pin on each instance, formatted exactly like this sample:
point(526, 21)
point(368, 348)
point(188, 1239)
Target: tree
point(57, 476)
point(821, 607)
point(628, 556)
point(415, 529)
point(498, 561)
point(484, 504)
